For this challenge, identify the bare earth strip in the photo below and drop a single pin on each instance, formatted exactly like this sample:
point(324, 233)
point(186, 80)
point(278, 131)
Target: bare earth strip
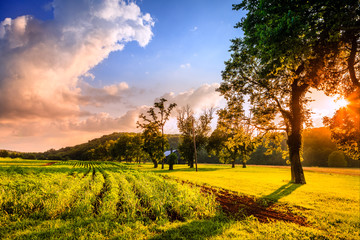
point(238, 206)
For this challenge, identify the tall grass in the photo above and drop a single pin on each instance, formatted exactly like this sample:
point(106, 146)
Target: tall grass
point(92, 200)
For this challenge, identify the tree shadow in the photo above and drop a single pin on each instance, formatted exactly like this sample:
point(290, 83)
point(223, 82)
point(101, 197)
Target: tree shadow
point(281, 192)
point(185, 169)
point(197, 229)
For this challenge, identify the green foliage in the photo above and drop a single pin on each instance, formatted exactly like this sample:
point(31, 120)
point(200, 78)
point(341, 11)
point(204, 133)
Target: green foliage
point(345, 131)
point(337, 159)
point(128, 147)
point(154, 142)
point(286, 49)
point(4, 153)
point(188, 127)
point(172, 159)
point(153, 130)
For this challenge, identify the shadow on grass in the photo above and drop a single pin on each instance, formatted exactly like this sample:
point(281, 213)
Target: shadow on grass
point(96, 228)
point(66, 230)
point(197, 229)
point(166, 170)
point(281, 192)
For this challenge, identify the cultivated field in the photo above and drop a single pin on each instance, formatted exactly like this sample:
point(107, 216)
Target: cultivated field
point(89, 200)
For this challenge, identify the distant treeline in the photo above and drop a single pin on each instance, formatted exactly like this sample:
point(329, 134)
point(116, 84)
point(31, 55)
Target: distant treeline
point(318, 149)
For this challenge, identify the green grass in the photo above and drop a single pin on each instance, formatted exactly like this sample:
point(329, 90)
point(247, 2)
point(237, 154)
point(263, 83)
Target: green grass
point(330, 200)
point(88, 200)
point(93, 200)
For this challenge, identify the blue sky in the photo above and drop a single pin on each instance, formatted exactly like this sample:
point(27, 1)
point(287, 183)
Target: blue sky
point(182, 53)
point(185, 32)
point(73, 70)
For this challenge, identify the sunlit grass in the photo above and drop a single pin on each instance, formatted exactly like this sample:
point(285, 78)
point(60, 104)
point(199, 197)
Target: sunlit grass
point(58, 202)
point(331, 201)
point(90, 200)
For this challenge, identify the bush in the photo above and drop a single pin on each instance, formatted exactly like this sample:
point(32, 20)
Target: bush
point(4, 153)
point(337, 159)
point(172, 160)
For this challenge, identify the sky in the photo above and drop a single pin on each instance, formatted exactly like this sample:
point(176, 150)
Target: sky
point(73, 70)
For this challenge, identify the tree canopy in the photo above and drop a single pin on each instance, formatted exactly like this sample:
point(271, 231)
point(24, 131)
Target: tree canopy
point(284, 52)
point(153, 130)
point(189, 127)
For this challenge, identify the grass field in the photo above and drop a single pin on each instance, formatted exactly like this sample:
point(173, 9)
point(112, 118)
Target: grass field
point(87, 200)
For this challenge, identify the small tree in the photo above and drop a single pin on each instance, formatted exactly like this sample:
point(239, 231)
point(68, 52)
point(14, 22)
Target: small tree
point(153, 143)
point(233, 138)
point(158, 116)
point(188, 127)
point(172, 159)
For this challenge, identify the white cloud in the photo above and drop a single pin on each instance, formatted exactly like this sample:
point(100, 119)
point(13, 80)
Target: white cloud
point(203, 97)
point(116, 88)
point(186, 65)
point(41, 62)
point(194, 29)
point(40, 135)
point(99, 96)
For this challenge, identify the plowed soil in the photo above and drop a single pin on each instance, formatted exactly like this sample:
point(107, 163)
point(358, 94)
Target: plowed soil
point(239, 206)
point(49, 163)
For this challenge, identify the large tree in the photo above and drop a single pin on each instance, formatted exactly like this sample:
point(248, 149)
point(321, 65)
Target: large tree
point(281, 56)
point(342, 71)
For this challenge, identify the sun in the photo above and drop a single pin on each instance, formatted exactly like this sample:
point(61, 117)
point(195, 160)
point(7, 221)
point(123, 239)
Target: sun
point(340, 103)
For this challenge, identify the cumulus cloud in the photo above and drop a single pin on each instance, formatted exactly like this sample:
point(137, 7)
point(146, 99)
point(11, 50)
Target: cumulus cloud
point(100, 96)
point(41, 62)
point(104, 122)
point(203, 97)
point(32, 135)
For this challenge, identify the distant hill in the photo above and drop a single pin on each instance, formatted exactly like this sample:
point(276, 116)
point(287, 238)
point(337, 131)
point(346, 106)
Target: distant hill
point(317, 148)
point(79, 152)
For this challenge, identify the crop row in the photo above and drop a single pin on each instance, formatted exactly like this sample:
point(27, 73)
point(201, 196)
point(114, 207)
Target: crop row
point(110, 192)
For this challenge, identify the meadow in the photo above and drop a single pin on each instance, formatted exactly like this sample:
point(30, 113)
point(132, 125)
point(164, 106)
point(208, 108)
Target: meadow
point(107, 200)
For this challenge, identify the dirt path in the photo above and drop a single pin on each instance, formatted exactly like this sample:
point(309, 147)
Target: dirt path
point(238, 206)
point(49, 163)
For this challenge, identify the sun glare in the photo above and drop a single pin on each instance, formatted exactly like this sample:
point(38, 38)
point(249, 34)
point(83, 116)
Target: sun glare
point(340, 103)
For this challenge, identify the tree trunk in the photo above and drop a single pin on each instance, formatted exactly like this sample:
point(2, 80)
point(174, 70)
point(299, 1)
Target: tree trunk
point(233, 164)
point(244, 164)
point(191, 164)
point(297, 173)
point(162, 144)
point(155, 164)
point(294, 136)
point(171, 167)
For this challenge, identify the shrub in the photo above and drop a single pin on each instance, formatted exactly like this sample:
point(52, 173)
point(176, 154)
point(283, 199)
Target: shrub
point(172, 160)
point(337, 159)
